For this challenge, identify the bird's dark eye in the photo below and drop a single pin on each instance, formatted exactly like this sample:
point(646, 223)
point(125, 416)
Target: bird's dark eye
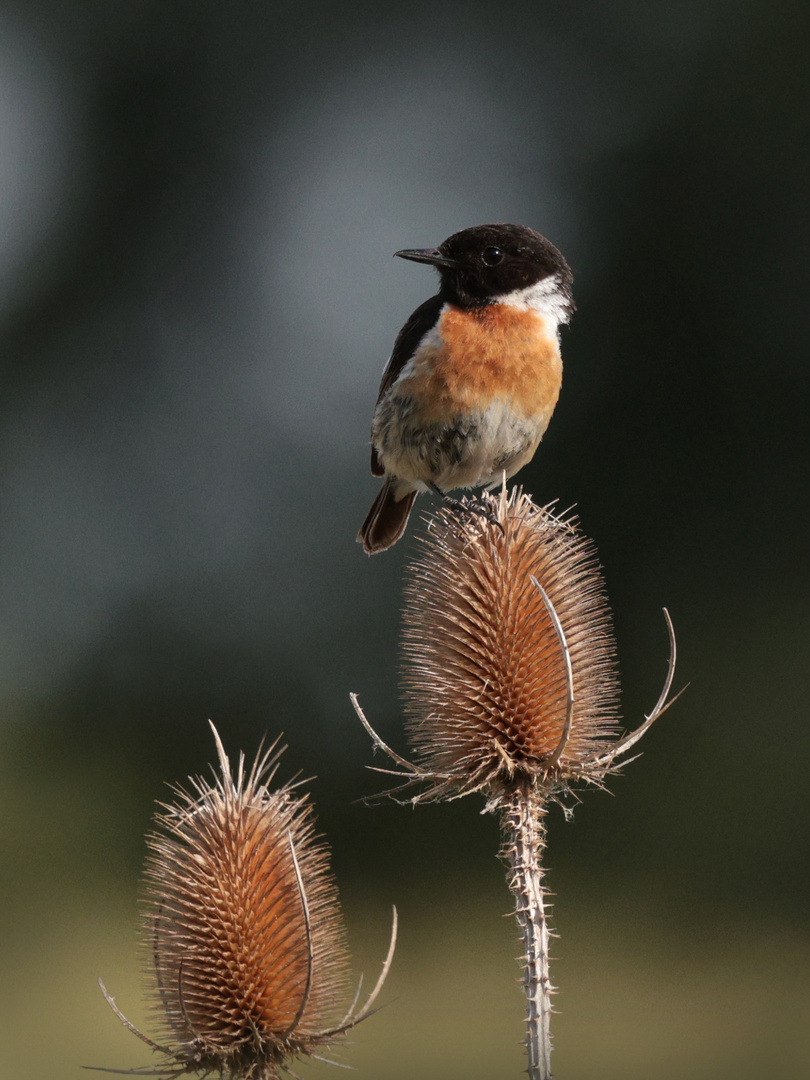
point(492, 256)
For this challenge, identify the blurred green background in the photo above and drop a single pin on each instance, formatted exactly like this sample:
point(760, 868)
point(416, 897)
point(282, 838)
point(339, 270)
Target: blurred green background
point(198, 206)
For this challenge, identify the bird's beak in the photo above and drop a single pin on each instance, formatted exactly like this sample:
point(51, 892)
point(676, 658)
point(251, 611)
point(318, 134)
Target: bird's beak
point(431, 256)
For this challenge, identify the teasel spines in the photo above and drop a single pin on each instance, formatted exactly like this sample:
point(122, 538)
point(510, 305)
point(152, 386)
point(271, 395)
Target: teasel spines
point(509, 671)
point(243, 928)
point(246, 934)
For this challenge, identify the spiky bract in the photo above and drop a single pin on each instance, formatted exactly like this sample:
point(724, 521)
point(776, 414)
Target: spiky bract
point(244, 925)
point(486, 681)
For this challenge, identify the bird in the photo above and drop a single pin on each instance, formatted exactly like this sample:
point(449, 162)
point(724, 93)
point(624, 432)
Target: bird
point(474, 375)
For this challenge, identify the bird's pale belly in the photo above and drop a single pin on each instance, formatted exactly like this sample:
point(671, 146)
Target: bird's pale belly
point(470, 450)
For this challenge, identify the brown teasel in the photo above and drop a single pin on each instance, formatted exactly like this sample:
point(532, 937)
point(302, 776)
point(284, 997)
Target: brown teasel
point(244, 928)
point(509, 662)
point(510, 689)
point(485, 681)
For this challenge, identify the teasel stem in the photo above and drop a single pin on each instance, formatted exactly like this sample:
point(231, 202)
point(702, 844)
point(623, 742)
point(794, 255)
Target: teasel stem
point(524, 841)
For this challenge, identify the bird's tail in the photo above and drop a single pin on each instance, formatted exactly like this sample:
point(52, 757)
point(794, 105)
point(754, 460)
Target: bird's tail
point(387, 518)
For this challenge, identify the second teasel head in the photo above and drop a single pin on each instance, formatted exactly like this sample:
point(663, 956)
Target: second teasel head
point(243, 929)
point(242, 924)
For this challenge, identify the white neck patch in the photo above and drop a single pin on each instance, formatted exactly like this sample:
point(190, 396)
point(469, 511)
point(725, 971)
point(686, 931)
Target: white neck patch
point(545, 297)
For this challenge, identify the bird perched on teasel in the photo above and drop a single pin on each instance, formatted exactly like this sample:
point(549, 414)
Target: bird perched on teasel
point(474, 375)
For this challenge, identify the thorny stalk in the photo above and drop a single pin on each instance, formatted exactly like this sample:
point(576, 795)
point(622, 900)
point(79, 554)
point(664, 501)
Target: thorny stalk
point(524, 838)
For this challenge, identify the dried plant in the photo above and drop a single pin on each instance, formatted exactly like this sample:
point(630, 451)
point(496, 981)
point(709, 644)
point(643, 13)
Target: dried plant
point(244, 929)
point(510, 689)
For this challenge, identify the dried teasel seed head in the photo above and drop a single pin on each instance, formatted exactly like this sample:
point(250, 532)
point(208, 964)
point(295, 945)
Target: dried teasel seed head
point(509, 673)
point(244, 927)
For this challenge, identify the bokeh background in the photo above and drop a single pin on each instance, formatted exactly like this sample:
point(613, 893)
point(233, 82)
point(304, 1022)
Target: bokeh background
point(198, 205)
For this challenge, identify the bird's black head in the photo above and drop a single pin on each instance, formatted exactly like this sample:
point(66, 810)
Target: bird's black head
point(484, 264)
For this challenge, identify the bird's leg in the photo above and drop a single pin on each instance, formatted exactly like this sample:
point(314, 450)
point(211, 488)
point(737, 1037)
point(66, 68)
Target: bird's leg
point(464, 508)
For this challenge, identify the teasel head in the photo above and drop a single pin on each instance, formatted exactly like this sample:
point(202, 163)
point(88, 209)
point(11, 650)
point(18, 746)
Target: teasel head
point(509, 663)
point(243, 928)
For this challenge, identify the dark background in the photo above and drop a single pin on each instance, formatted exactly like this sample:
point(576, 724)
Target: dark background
point(198, 205)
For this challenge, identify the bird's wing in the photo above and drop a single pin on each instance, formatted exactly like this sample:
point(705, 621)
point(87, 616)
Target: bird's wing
point(422, 320)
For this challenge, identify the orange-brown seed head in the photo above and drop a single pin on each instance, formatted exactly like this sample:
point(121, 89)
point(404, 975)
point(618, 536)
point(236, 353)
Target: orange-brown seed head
point(244, 925)
point(487, 685)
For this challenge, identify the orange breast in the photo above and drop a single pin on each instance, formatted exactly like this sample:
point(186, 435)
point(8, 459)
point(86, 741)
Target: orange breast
point(493, 352)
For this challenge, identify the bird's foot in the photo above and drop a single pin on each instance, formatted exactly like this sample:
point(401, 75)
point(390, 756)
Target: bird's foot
point(466, 508)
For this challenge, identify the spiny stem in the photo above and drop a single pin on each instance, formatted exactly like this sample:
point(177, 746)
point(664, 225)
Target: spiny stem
point(524, 838)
